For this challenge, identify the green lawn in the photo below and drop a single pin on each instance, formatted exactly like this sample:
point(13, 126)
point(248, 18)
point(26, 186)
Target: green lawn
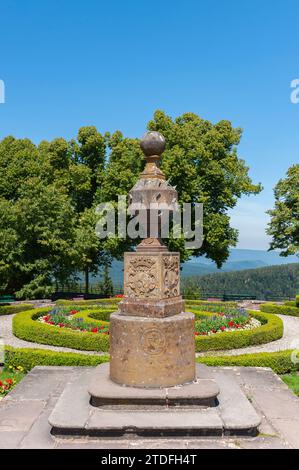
point(292, 381)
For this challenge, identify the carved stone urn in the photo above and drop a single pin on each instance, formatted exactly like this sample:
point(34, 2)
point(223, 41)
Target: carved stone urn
point(151, 337)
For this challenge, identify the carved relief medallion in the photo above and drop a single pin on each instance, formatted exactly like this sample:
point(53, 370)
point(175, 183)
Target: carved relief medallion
point(153, 342)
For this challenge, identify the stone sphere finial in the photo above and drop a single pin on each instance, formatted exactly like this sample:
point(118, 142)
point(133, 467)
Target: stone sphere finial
point(152, 143)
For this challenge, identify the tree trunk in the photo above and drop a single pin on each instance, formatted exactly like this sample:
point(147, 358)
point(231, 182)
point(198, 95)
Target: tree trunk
point(86, 281)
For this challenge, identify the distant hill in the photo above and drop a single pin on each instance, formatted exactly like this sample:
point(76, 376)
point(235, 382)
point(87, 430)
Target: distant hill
point(238, 260)
point(264, 283)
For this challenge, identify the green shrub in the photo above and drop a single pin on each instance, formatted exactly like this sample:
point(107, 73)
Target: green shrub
point(189, 303)
point(11, 309)
point(280, 309)
point(279, 361)
point(29, 358)
point(297, 300)
point(111, 300)
point(270, 330)
point(25, 327)
point(290, 303)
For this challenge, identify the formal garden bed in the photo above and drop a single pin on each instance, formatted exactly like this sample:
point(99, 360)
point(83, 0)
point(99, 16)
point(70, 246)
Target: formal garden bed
point(85, 326)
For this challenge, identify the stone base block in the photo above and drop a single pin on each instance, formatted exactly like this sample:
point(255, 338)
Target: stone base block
point(232, 414)
point(103, 392)
point(157, 308)
point(152, 352)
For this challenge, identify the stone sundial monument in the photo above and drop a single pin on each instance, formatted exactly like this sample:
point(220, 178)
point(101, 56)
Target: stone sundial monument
point(152, 340)
point(152, 385)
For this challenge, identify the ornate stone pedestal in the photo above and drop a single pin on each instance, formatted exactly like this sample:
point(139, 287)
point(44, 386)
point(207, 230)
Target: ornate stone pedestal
point(152, 352)
point(151, 386)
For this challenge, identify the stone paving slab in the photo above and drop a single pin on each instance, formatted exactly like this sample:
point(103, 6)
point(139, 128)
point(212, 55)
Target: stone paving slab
point(32, 431)
point(237, 413)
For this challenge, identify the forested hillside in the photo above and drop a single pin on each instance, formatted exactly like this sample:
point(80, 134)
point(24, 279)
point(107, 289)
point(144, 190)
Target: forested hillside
point(270, 282)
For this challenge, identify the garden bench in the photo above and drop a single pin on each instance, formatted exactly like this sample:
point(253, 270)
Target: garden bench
point(227, 297)
point(6, 298)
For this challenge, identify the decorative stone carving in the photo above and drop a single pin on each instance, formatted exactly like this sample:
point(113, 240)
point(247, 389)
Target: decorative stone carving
point(171, 276)
point(142, 277)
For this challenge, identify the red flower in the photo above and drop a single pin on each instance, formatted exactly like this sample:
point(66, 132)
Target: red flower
point(72, 312)
point(119, 296)
point(9, 381)
point(231, 323)
point(213, 330)
point(222, 328)
point(94, 330)
point(61, 325)
point(196, 333)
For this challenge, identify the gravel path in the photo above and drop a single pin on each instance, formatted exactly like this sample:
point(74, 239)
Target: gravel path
point(291, 335)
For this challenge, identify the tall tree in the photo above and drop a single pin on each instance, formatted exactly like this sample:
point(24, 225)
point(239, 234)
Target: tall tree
point(201, 160)
point(284, 223)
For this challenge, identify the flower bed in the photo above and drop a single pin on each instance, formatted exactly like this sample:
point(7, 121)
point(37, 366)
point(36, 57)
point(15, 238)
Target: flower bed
point(9, 377)
point(26, 327)
point(65, 318)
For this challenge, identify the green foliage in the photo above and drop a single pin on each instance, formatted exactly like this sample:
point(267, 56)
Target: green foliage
point(280, 361)
point(280, 309)
point(11, 309)
point(278, 281)
point(284, 224)
point(112, 300)
point(29, 358)
point(208, 303)
point(50, 191)
point(201, 160)
point(292, 381)
point(297, 301)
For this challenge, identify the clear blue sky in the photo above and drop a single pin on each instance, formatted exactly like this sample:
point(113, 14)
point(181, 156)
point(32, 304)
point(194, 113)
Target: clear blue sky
point(71, 63)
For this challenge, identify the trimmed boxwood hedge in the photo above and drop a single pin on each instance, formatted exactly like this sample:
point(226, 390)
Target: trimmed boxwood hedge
point(28, 358)
point(209, 302)
point(111, 300)
point(280, 309)
point(279, 361)
point(25, 327)
point(11, 309)
point(291, 303)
